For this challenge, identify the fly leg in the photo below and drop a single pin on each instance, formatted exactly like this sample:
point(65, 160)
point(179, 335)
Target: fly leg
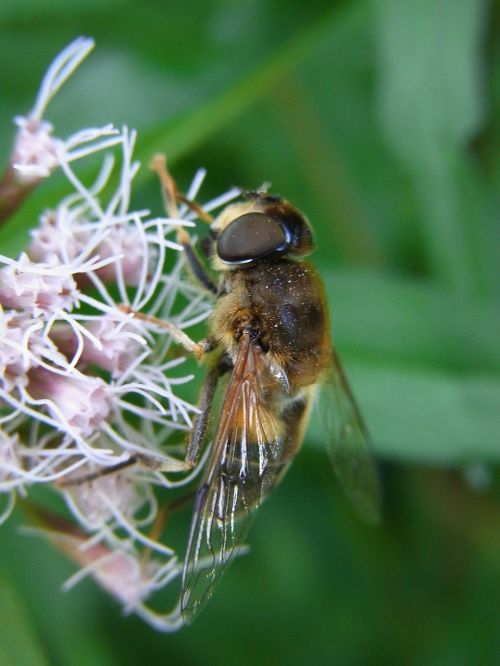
point(198, 349)
point(93, 476)
point(171, 196)
point(195, 443)
point(199, 429)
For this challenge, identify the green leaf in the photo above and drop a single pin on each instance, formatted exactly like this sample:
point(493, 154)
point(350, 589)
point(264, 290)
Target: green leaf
point(19, 646)
point(411, 323)
point(182, 135)
point(427, 416)
point(23, 9)
point(431, 105)
point(429, 60)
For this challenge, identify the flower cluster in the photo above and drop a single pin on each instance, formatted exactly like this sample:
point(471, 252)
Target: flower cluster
point(87, 387)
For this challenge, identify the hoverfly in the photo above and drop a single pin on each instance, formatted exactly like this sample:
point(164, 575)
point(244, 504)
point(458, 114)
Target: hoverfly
point(269, 336)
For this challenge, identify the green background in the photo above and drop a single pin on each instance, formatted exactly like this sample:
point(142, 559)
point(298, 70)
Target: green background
point(380, 120)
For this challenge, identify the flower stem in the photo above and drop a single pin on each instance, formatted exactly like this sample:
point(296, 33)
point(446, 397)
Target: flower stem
point(13, 191)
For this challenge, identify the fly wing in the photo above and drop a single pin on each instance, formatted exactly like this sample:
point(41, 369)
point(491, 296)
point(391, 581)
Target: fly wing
point(349, 444)
point(244, 463)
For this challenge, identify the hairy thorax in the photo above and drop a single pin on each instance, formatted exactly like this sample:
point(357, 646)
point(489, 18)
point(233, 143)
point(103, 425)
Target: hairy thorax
point(282, 305)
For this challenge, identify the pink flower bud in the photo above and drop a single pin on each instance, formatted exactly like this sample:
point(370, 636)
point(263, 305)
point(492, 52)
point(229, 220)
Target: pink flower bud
point(57, 237)
point(111, 347)
point(30, 287)
point(79, 401)
point(36, 150)
point(128, 244)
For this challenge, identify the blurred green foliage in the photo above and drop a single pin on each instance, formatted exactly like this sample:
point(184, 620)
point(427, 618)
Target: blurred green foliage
point(380, 120)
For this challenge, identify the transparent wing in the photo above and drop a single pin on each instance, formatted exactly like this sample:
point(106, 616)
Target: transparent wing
point(245, 461)
point(349, 444)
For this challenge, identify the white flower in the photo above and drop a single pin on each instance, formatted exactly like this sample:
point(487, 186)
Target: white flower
point(87, 387)
point(64, 319)
point(36, 151)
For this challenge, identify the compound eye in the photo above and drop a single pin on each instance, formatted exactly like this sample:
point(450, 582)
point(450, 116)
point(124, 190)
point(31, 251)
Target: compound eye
point(251, 237)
